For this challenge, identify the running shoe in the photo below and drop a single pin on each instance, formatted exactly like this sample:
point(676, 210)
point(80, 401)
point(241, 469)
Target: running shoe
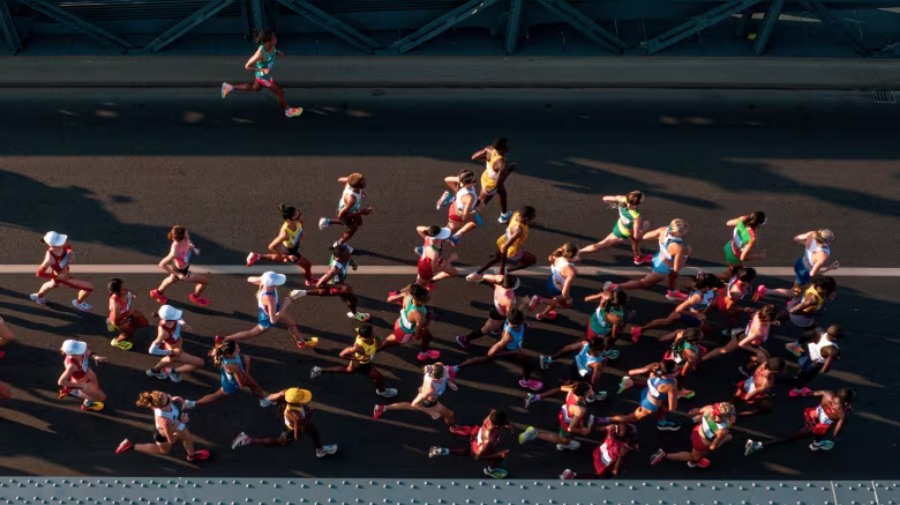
point(308, 342)
point(159, 297)
point(297, 294)
point(643, 259)
point(530, 398)
point(545, 362)
point(379, 410)
point(252, 258)
point(676, 295)
point(474, 277)
point(666, 425)
point(109, 325)
point(703, 463)
point(37, 299)
point(535, 301)
point(64, 392)
point(125, 446)
point(463, 342)
point(794, 348)
point(825, 445)
point(599, 396)
point(419, 250)
point(461, 431)
point(436, 451)
point(800, 392)
point(82, 306)
point(199, 300)
point(316, 371)
point(174, 376)
point(121, 344)
point(326, 450)
point(432, 354)
point(550, 316)
point(610, 286)
point(636, 333)
point(658, 456)
point(201, 455)
point(359, 316)
point(572, 446)
point(226, 88)
point(760, 292)
point(624, 384)
point(531, 384)
point(89, 405)
point(445, 200)
point(751, 447)
point(452, 371)
point(293, 111)
point(240, 441)
point(567, 474)
point(528, 435)
point(387, 392)
point(611, 354)
point(505, 217)
point(265, 402)
point(496, 473)
point(687, 394)
point(189, 404)
point(159, 375)
point(324, 223)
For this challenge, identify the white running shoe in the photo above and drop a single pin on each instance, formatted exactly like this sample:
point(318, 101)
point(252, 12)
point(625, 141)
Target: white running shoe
point(37, 299)
point(265, 402)
point(316, 371)
point(567, 474)
point(387, 392)
point(326, 450)
point(297, 293)
point(83, 306)
point(324, 223)
point(241, 440)
point(175, 376)
point(573, 445)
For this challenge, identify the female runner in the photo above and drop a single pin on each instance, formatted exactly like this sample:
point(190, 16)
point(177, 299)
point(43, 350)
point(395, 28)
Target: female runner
point(262, 62)
point(496, 170)
point(586, 367)
point(180, 258)
point(692, 311)
point(462, 216)
point(168, 345)
point(740, 249)
point(573, 420)
point(483, 440)
point(752, 337)
point(734, 291)
point(413, 321)
point(668, 262)
point(271, 311)
point(433, 267)
point(360, 356)
point(509, 246)
point(630, 226)
point(171, 427)
point(78, 379)
point(334, 282)
point(607, 320)
point(55, 267)
point(833, 411)
point(434, 383)
point(285, 248)
point(660, 395)
point(350, 211)
point(712, 430)
point(235, 374)
point(504, 288)
point(811, 264)
point(621, 439)
point(123, 316)
point(559, 284)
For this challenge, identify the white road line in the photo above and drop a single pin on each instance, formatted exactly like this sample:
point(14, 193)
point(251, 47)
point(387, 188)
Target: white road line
point(411, 270)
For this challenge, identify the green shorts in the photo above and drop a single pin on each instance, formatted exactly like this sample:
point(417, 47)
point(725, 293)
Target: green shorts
point(618, 232)
point(730, 258)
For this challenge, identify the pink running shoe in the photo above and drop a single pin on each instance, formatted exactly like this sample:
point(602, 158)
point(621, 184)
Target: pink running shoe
point(432, 354)
point(643, 259)
point(199, 300)
point(531, 384)
point(535, 301)
point(800, 392)
point(252, 258)
point(635, 334)
point(379, 409)
point(550, 316)
point(159, 297)
point(760, 292)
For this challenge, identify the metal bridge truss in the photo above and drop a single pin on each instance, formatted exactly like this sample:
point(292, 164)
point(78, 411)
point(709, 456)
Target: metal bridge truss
point(512, 15)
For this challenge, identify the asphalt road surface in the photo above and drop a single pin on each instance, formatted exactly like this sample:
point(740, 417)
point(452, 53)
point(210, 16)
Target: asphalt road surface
point(116, 169)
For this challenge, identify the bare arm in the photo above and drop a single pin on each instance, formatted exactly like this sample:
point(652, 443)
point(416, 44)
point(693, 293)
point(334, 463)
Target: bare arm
point(480, 155)
point(736, 221)
point(722, 436)
point(251, 63)
point(328, 275)
point(746, 251)
point(164, 264)
point(282, 236)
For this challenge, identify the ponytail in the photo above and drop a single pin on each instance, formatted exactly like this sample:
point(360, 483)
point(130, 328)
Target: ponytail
point(567, 251)
point(149, 399)
point(177, 233)
point(287, 212)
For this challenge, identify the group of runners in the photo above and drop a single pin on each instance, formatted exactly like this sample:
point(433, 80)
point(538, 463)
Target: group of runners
point(749, 312)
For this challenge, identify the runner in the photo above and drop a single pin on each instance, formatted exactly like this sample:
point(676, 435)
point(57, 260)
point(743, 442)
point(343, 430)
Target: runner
point(621, 439)
point(660, 395)
point(509, 246)
point(235, 374)
point(271, 311)
point(712, 430)
point(496, 170)
point(435, 381)
point(262, 62)
point(630, 226)
point(504, 288)
point(668, 262)
point(168, 344)
point(433, 267)
point(740, 249)
point(286, 246)
point(462, 216)
point(171, 427)
point(751, 337)
point(692, 311)
point(334, 282)
point(481, 444)
point(812, 263)
point(686, 352)
point(755, 390)
point(832, 411)
point(122, 315)
point(179, 270)
point(608, 320)
point(737, 288)
point(6, 336)
point(359, 357)
point(55, 267)
point(573, 419)
point(559, 284)
point(413, 321)
point(350, 211)
point(587, 366)
point(79, 379)
point(823, 351)
point(298, 419)
point(510, 345)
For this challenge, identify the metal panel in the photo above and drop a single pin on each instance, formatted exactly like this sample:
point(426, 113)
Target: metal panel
point(513, 25)
point(172, 34)
point(440, 25)
point(836, 24)
point(887, 492)
point(332, 24)
point(77, 23)
point(768, 24)
point(585, 25)
point(698, 24)
point(854, 493)
point(8, 24)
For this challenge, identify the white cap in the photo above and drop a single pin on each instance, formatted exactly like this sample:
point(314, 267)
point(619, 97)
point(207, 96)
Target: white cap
point(54, 239)
point(269, 279)
point(443, 235)
point(74, 347)
point(169, 313)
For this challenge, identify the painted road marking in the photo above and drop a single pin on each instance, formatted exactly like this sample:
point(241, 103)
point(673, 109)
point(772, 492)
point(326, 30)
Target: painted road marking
point(411, 270)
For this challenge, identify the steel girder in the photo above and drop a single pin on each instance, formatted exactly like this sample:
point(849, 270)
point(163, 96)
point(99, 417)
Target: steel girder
point(8, 24)
point(172, 34)
point(440, 25)
point(826, 16)
point(698, 24)
point(768, 24)
point(79, 24)
point(585, 25)
point(334, 25)
point(513, 25)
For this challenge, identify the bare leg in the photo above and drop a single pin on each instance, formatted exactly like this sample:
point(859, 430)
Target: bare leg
point(210, 398)
point(243, 335)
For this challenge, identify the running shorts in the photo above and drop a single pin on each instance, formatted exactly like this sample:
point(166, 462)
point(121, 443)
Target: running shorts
point(266, 83)
point(811, 416)
point(801, 274)
point(659, 266)
point(425, 269)
point(698, 442)
point(400, 335)
point(730, 258)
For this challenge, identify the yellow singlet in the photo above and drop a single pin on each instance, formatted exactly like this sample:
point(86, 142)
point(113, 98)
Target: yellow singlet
point(369, 350)
point(489, 177)
point(516, 246)
point(293, 236)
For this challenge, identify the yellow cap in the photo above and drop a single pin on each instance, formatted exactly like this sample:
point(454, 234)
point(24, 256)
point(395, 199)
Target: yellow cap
point(297, 395)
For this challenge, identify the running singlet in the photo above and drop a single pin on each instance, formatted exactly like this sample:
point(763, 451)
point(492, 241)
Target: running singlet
point(516, 245)
point(820, 300)
point(583, 360)
point(293, 236)
point(517, 336)
point(653, 388)
point(815, 348)
point(599, 324)
point(82, 367)
point(183, 252)
point(556, 272)
point(61, 262)
point(357, 203)
point(368, 350)
point(742, 289)
point(759, 328)
point(566, 417)
point(489, 177)
point(740, 239)
point(679, 348)
point(125, 302)
point(708, 427)
point(460, 206)
point(172, 336)
point(664, 242)
point(160, 417)
point(501, 295)
point(287, 418)
point(262, 293)
point(341, 275)
point(228, 377)
point(706, 299)
point(626, 220)
point(407, 325)
point(267, 62)
point(749, 385)
point(438, 386)
point(820, 419)
point(812, 249)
